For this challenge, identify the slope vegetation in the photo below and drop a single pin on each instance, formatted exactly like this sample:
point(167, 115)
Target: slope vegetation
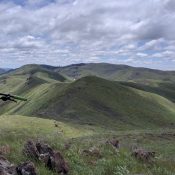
point(16, 130)
point(165, 89)
point(92, 101)
point(103, 102)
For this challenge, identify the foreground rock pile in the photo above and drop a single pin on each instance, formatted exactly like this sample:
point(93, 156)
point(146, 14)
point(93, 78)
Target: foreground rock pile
point(6, 168)
point(52, 159)
point(26, 168)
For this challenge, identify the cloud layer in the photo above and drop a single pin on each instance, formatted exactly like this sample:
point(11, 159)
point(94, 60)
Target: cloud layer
point(60, 32)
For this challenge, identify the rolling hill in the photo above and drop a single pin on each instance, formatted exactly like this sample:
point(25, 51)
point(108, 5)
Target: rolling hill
point(165, 89)
point(85, 113)
point(103, 70)
point(37, 71)
point(116, 72)
point(89, 100)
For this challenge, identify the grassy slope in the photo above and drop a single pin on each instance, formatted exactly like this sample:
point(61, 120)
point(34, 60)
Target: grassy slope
point(99, 108)
point(38, 71)
point(15, 130)
point(93, 101)
point(165, 89)
point(116, 72)
point(96, 100)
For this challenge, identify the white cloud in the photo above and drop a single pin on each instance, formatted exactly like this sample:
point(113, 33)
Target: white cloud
point(142, 54)
point(70, 31)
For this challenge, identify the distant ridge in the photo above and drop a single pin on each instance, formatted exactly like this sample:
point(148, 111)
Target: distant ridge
point(103, 70)
point(115, 72)
point(4, 70)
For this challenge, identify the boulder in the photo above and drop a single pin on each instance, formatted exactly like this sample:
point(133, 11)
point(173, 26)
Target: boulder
point(6, 168)
point(52, 159)
point(26, 168)
point(57, 163)
point(43, 148)
point(30, 150)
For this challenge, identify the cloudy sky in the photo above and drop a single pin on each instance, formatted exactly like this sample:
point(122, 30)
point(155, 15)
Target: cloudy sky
point(61, 32)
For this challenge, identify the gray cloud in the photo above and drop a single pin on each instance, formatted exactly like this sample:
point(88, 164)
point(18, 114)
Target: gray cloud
point(70, 31)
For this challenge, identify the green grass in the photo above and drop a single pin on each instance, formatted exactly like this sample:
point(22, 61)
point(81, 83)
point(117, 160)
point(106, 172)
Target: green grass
point(15, 130)
point(92, 101)
point(98, 101)
point(165, 89)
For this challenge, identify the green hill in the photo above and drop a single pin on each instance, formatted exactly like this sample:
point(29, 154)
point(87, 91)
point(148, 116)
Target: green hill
point(84, 114)
point(103, 70)
point(165, 89)
point(34, 70)
point(93, 101)
point(103, 102)
point(116, 72)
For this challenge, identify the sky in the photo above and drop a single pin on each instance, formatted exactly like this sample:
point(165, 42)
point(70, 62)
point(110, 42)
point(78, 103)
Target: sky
point(61, 32)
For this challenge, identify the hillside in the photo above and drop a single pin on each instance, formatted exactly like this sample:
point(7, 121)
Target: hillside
point(16, 130)
point(99, 101)
point(116, 72)
point(37, 71)
point(103, 70)
point(93, 101)
point(165, 89)
point(76, 117)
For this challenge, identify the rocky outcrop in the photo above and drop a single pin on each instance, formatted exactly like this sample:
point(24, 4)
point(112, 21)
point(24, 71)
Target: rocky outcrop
point(6, 168)
point(52, 159)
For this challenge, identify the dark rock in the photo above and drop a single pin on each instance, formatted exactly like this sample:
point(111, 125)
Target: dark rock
point(30, 150)
point(52, 159)
point(57, 163)
point(6, 168)
point(43, 148)
point(27, 168)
